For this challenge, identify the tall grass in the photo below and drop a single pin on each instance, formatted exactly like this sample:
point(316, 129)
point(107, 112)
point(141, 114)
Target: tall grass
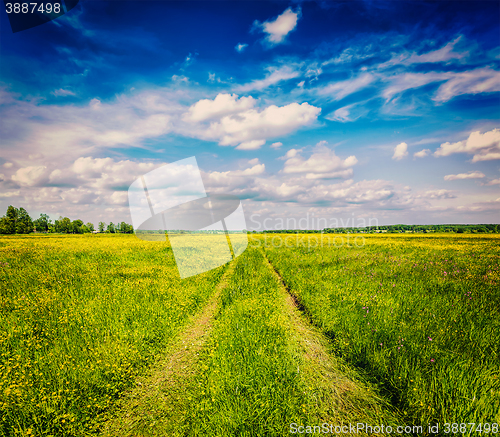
point(80, 317)
point(253, 377)
point(418, 314)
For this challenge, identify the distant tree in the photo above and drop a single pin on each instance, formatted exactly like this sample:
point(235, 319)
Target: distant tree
point(42, 223)
point(90, 227)
point(102, 226)
point(12, 215)
point(76, 226)
point(4, 225)
point(84, 229)
point(24, 224)
point(63, 225)
point(124, 228)
point(111, 228)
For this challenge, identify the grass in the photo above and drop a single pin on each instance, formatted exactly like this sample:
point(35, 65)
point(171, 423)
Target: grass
point(97, 331)
point(81, 317)
point(417, 314)
point(261, 370)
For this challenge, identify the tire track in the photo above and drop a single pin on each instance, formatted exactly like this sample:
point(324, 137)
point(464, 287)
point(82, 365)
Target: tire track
point(160, 397)
point(342, 396)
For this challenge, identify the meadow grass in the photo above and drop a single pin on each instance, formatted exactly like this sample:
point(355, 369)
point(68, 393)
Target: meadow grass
point(404, 329)
point(254, 377)
point(417, 314)
point(81, 317)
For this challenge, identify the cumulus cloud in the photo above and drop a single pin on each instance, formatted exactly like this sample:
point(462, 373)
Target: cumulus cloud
point(469, 175)
point(250, 128)
point(400, 151)
point(275, 75)
point(278, 29)
point(322, 164)
point(422, 154)
point(494, 182)
point(223, 104)
point(483, 147)
point(276, 145)
point(30, 176)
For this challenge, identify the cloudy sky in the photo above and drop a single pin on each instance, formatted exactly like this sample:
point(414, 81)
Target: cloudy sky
point(340, 110)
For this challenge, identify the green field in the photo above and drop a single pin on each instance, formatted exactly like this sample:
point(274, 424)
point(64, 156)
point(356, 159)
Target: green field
point(100, 336)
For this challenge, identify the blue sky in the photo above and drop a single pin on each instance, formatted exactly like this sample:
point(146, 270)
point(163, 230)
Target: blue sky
point(368, 110)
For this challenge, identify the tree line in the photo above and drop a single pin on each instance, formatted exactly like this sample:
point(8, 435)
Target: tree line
point(459, 229)
point(18, 221)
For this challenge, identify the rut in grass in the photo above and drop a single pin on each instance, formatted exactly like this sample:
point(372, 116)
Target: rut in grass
point(162, 393)
point(341, 395)
point(262, 368)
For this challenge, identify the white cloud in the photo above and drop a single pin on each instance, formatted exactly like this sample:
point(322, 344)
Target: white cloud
point(322, 164)
point(8, 164)
point(422, 154)
point(223, 104)
point(251, 145)
point(275, 75)
point(438, 194)
point(30, 176)
point(251, 127)
point(341, 114)
point(276, 145)
point(180, 78)
point(400, 151)
point(235, 181)
point(406, 81)
point(469, 175)
point(444, 54)
point(62, 93)
point(341, 89)
point(64, 132)
point(484, 147)
point(348, 113)
point(7, 194)
point(494, 182)
point(483, 80)
point(240, 47)
point(278, 29)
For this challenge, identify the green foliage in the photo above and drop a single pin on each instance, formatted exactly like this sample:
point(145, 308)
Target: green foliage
point(16, 221)
point(63, 225)
point(42, 223)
